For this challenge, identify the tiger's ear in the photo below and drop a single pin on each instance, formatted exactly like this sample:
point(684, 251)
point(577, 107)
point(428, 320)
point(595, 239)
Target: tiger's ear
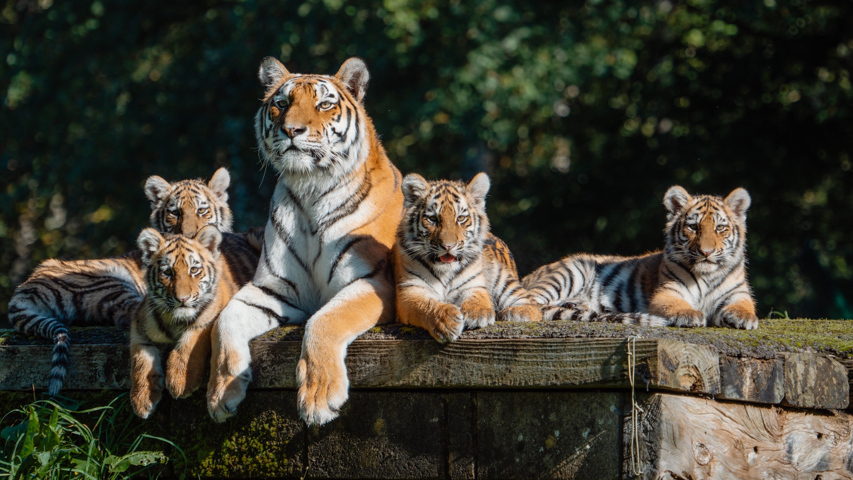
point(157, 189)
point(675, 199)
point(414, 187)
point(219, 183)
point(739, 201)
point(354, 75)
point(149, 241)
point(479, 187)
point(210, 238)
point(271, 72)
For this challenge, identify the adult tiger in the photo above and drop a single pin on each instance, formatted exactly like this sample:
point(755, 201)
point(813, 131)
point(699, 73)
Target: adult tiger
point(107, 291)
point(326, 254)
point(699, 278)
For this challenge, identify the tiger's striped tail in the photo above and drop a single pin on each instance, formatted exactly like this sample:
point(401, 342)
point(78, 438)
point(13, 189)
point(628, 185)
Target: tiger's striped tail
point(579, 313)
point(633, 318)
point(59, 361)
point(22, 315)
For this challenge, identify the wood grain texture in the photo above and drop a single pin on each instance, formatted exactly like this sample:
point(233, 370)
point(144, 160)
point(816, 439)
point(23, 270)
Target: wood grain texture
point(686, 437)
point(91, 367)
point(815, 382)
point(688, 367)
point(752, 380)
point(808, 380)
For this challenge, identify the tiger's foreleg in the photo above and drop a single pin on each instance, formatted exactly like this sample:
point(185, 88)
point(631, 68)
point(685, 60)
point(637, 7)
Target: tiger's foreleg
point(321, 372)
point(186, 362)
point(678, 312)
point(477, 310)
point(738, 314)
point(250, 313)
point(419, 306)
point(146, 377)
point(515, 303)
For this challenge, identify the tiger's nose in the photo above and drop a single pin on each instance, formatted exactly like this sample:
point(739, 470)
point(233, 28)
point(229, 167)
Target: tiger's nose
point(449, 247)
point(184, 299)
point(293, 131)
point(706, 252)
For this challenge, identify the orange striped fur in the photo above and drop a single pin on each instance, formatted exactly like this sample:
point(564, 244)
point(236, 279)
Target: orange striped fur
point(189, 280)
point(106, 291)
point(327, 245)
point(451, 272)
point(698, 280)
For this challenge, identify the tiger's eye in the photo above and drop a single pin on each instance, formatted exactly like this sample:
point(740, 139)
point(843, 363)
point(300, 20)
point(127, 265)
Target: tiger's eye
point(281, 103)
point(432, 219)
point(721, 228)
point(326, 105)
point(195, 271)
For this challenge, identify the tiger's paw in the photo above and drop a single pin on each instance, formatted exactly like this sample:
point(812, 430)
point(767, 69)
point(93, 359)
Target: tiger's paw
point(687, 318)
point(736, 318)
point(449, 323)
point(144, 397)
point(225, 392)
point(475, 316)
point(521, 313)
point(323, 387)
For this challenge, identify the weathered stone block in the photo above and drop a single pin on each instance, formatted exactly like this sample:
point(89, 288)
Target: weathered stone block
point(381, 435)
point(266, 439)
point(562, 435)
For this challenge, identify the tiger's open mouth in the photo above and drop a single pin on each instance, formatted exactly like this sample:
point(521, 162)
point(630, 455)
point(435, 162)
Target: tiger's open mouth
point(447, 258)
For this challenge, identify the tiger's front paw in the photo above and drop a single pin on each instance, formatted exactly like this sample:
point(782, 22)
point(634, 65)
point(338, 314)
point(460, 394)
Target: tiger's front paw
point(225, 392)
point(521, 313)
point(447, 324)
point(737, 318)
point(477, 316)
point(323, 386)
point(687, 318)
point(146, 394)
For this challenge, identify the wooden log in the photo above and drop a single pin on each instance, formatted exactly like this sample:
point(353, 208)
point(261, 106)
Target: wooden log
point(688, 367)
point(810, 380)
point(752, 380)
point(684, 437)
point(815, 381)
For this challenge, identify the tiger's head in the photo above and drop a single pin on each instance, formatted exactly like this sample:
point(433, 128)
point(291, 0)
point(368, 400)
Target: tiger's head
point(444, 222)
point(706, 233)
point(186, 206)
point(181, 272)
point(313, 123)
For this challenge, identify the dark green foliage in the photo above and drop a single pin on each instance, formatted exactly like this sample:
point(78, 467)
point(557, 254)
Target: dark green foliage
point(583, 113)
point(54, 441)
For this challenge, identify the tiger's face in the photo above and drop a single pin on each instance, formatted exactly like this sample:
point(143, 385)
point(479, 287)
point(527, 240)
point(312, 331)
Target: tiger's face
point(706, 233)
point(181, 272)
point(312, 123)
point(445, 222)
point(185, 207)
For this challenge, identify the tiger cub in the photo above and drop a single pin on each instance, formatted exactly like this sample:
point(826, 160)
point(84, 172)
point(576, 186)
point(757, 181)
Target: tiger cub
point(699, 279)
point(189, 280)
point(107, 291)
point(451, 272)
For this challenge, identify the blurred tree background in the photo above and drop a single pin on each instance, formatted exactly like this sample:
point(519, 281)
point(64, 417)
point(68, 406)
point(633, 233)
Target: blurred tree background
point(583, 113)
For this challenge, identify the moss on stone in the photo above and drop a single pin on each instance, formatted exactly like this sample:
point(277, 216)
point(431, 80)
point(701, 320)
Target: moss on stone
point(265, 439)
